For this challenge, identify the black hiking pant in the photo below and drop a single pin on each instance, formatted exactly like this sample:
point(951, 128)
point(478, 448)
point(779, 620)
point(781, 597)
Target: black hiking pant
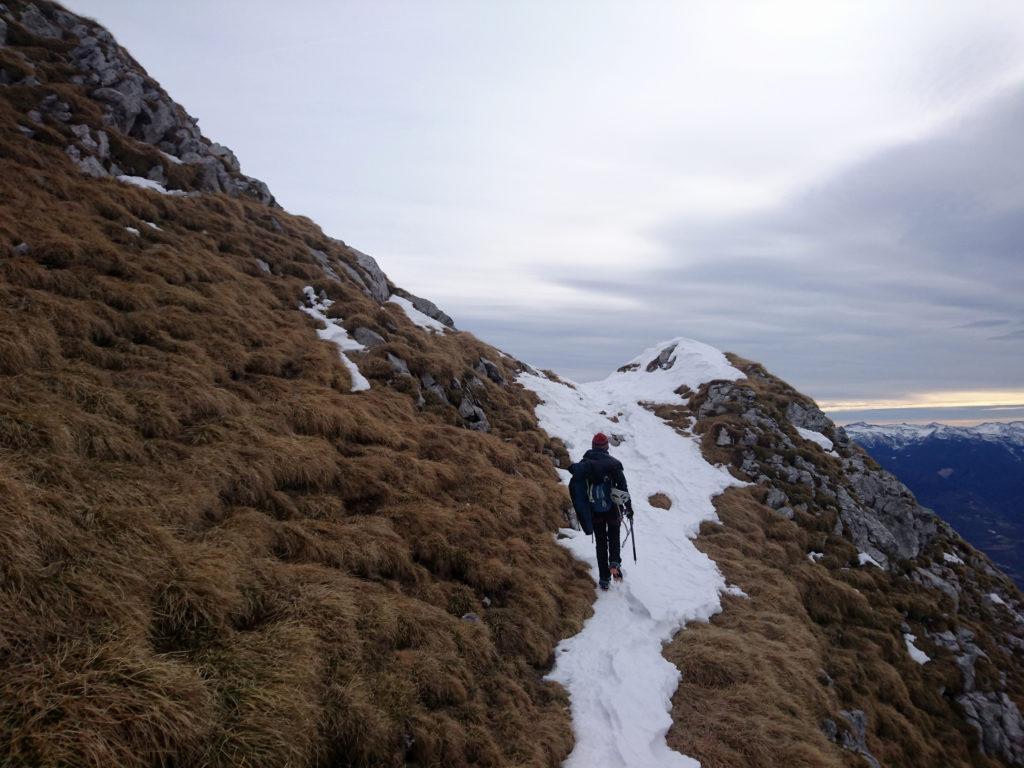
point(606, 531)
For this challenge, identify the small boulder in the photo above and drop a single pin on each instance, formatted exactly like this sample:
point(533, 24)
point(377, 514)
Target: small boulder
point(398, 365)
point(368, 337)
point(491, 371)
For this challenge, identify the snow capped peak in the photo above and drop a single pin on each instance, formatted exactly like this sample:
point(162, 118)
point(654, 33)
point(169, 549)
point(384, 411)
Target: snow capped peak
point(900, 435)
point(660, 373)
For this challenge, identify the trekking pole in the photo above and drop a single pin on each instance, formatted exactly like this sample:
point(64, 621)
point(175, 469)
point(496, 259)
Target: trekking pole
point(632, 536)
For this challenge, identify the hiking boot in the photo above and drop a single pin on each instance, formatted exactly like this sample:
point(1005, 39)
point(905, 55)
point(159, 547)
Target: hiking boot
point(604, 584)
point(616, 571)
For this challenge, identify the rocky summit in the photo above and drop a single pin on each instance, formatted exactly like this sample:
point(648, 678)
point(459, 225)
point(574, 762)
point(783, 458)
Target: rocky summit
point(261, 506)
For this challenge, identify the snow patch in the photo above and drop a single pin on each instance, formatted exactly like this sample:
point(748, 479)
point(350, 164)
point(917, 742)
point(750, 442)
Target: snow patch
point(619, 683)
point(866, 559)
point(336, 334)
point(426, 322)
point(915, 653)
point(815, 556)
point(815, 437)
point(996, 598)
point(690, 364)
point(151, 225)
point(132, 231)
point(952, 559)
point(152, 186)
point(172, 158)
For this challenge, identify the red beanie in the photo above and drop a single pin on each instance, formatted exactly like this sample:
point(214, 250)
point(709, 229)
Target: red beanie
point(600, 441)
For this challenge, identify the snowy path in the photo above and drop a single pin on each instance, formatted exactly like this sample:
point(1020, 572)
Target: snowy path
point(619, 683)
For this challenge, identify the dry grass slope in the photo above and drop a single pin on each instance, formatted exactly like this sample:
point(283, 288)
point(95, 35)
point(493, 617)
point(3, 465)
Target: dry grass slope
point(211, 553)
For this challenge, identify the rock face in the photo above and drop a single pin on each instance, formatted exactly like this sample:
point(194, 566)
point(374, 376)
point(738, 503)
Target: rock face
point(376, 281)
point(427, 307)
point(998, 722)
point(876, 511)
point(132, 104)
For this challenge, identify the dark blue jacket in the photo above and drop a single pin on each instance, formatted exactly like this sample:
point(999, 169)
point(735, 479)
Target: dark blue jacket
point(596, 465)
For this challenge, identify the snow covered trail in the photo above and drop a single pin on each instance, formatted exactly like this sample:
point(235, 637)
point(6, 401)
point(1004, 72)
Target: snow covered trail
point(619, 683)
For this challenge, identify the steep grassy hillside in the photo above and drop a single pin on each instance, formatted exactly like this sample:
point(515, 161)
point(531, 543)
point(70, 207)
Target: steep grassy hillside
point(212, 552)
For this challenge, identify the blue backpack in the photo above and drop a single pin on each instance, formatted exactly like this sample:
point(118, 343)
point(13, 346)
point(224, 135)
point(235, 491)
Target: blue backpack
point(600, 496)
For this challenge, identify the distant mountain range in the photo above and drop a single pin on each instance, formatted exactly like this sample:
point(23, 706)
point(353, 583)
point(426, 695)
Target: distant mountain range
point(973, 477)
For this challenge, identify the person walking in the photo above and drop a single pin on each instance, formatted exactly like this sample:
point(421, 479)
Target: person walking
point(608, 496)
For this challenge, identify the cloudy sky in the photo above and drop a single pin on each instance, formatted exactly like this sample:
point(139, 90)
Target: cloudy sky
point(834, 189)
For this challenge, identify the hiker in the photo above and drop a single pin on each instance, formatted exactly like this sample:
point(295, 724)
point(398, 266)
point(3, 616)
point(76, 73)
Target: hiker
point(606, 492)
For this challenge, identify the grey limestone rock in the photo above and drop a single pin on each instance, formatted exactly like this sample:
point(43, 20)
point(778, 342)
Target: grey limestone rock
point(55, 107)
point(434, 388)
point(474, 415)
point(664, 360)
point(491, 371)
point(368, 337)
point(898, 524)
point(998, 722)
point(376, 280)
point(87, 164)
point(723, 438)
point(356, 277)
point(927, 578)
point(855, 739)
point(427, 307)
point(808, 417)
point(398, 365)
point(325, 263)
point(35, 22)
point(226, 155)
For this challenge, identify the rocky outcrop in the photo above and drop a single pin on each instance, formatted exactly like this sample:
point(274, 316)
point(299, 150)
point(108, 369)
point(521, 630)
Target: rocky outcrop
point(853, 737)
point(876, 511)
point(427, 307)
point(375, 281)
point(896, 526)
point(487, 368)
point(664, 360)
point(998, 723)
point(132, 104)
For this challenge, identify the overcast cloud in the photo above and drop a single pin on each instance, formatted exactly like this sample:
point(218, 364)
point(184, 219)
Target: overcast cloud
point(834, 189)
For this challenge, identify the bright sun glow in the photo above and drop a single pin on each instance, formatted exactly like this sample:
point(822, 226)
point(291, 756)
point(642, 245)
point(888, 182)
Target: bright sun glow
point(966, 399)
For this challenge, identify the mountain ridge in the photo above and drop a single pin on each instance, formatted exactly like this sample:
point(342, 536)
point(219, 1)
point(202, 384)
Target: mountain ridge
point(257, 511)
